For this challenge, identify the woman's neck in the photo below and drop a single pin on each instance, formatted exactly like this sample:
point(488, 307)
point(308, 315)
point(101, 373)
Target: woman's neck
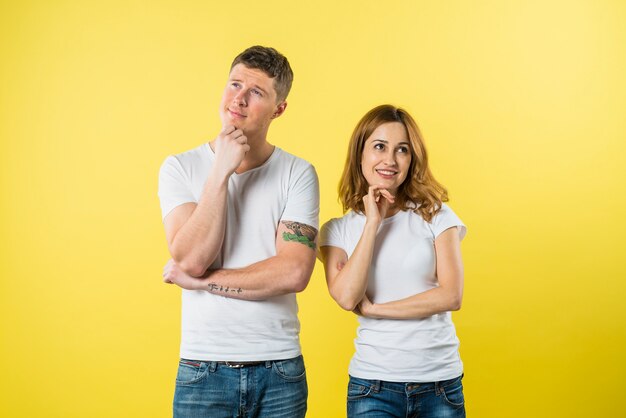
point(392, 211)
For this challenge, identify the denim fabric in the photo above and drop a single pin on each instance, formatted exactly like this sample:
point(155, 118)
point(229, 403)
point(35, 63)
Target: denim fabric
point(377, 399)
point(272, 389)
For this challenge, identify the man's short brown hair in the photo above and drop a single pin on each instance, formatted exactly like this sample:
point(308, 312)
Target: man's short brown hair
point(272, 63)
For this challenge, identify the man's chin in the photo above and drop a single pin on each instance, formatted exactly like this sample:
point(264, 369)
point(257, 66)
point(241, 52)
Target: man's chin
point(232, 122)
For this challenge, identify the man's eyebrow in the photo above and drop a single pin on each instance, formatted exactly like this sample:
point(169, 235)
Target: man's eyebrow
point(260, 88)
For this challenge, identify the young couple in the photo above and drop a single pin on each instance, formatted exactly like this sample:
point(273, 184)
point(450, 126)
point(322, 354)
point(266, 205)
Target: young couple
point(241, 222)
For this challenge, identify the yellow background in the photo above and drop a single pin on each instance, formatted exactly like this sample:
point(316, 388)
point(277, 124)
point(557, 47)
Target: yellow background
point(522, 104)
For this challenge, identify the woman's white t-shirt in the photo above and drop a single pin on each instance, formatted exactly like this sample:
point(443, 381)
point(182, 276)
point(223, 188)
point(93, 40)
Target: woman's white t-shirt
point(403, 264)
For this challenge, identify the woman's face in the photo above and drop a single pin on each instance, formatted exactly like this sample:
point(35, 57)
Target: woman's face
point(387, 156)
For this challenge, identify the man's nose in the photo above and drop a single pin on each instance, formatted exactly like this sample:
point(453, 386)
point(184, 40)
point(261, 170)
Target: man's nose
point(240, 98)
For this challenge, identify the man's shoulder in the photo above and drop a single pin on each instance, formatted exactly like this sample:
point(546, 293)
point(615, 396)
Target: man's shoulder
point(199, 153)
point(294, 163)
point(191, 158)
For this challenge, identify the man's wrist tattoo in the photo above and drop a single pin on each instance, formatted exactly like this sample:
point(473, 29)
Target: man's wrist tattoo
point(216, 288)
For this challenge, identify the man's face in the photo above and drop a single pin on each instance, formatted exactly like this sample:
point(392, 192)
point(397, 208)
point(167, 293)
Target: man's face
point(249, 101)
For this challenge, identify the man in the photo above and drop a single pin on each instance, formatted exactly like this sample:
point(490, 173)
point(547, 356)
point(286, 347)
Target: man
point(241, 219)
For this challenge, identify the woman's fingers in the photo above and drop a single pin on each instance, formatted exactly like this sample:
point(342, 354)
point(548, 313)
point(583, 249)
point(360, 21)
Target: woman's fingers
point(375, 208)
point(377, 191)
point(387, 194)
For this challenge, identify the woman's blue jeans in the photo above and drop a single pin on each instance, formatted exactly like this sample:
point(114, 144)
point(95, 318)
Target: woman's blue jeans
point(275, 389)
point(377, 399)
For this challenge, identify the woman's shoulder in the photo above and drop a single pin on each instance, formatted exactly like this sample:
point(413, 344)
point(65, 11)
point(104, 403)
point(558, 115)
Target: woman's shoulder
point(344, 224)
point(447, 218)
point(445, 212)
point(340, 232)
point(349, 218)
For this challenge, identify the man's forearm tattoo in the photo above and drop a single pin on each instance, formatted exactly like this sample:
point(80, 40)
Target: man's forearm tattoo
point(302, 233)
point(217, 289)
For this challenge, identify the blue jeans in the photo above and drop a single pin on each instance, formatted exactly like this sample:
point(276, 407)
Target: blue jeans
point(211, 389)
point(377, 399)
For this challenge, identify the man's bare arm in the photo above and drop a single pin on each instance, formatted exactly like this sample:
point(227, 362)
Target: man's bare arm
point(195, 232)
point(288, 271)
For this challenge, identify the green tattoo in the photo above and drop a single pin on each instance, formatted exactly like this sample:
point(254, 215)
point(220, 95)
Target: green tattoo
point(302, 233)
point(301, 239)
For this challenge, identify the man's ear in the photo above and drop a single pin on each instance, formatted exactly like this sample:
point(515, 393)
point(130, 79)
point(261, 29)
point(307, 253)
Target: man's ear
point(280, 109)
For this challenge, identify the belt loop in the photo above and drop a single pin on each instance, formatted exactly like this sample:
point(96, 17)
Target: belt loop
point(438, 388)
point(212, 366)
point(376, 386)
point(268, 364)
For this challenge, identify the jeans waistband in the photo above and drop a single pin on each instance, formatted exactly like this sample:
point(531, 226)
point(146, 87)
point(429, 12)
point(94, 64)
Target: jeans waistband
point(240, 364)
point(407, 387)
point(233, 364)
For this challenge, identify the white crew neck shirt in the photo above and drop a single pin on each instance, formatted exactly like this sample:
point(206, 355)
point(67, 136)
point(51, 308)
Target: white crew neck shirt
point(217, 328)
point(403, 264)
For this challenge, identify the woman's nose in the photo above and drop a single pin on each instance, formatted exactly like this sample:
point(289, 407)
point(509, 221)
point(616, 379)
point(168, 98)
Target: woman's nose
point(390, 158)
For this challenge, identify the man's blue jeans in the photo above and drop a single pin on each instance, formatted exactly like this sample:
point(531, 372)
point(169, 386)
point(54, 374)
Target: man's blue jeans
point(378, 399)
point(211, 389)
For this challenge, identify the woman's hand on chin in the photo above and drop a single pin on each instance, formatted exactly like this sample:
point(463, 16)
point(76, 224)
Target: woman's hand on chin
point(376, 203)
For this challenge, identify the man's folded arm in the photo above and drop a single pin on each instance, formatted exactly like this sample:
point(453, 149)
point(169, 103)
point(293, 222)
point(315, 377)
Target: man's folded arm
point(195, 232)
point(289, 271)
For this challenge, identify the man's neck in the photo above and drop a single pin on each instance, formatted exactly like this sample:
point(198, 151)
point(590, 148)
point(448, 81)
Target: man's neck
point(260, 152)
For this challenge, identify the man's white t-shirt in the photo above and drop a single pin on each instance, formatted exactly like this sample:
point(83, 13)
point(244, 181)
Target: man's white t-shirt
point(403, 264)
point(218, 328)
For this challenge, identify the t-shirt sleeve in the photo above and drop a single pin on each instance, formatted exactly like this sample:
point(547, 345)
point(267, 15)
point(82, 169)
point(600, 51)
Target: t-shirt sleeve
point(330, 235)
point(174, 186)
point(446, 218)
point(303, 201)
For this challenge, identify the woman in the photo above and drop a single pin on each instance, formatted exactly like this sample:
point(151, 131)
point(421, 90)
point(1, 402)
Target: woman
point(395, 260)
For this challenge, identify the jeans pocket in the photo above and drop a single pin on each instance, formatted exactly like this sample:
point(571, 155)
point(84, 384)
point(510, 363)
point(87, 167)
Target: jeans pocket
point(190, 371)
point(291, 370)
point(453, 393)
point(358, 389)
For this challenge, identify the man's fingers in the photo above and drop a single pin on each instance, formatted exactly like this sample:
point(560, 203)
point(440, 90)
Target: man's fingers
point(228, 129)
point(235, 134)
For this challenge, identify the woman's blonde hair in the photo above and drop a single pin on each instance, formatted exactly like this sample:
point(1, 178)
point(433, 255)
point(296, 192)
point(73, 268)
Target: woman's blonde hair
point(419, 192)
